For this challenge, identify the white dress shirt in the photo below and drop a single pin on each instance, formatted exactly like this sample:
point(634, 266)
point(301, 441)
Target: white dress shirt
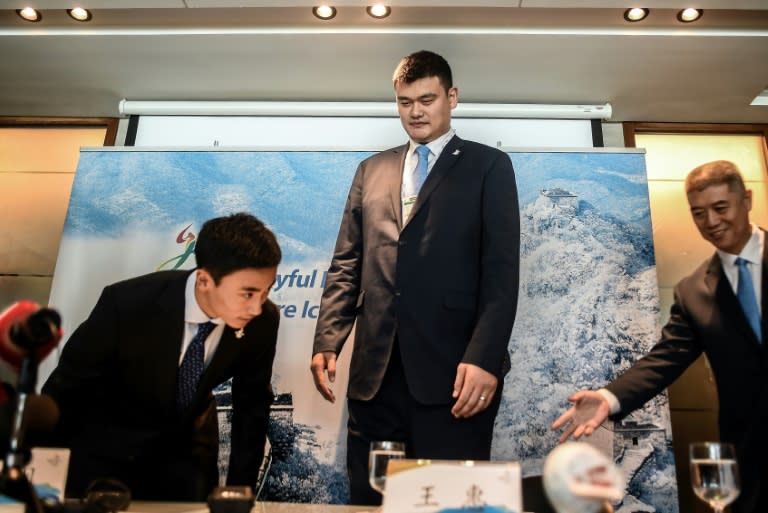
point(193, 316)
point(412, 159)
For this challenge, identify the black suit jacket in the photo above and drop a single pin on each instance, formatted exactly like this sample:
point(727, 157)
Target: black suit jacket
point(445, 282)
point(115, 384)
point(706, 317)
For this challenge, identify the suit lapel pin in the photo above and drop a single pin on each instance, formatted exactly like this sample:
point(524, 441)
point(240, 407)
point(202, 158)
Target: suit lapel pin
point(456, 152)
point(240, 333)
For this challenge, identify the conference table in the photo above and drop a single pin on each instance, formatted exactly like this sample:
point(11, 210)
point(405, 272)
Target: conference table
point(259, 507)
point(534, 501)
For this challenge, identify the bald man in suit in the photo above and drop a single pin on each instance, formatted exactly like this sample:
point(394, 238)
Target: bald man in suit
point(707, 317)
point(430, 275)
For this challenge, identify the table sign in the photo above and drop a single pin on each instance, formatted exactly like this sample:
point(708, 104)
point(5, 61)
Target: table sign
point(442, 486)
point(47, 470)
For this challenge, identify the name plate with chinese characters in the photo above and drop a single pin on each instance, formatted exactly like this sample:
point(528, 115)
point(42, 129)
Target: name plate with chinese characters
point(440, 486)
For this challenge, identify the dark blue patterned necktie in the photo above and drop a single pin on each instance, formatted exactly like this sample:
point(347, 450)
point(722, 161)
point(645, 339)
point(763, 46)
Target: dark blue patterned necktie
point(191, 367)
point(745, 292)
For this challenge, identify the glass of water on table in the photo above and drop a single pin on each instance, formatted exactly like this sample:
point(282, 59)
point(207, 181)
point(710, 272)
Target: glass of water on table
point(378, 459)
point(714, 473)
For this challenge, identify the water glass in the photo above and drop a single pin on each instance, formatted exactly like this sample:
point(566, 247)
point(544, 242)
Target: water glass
point(714, 473)
point(378, 460)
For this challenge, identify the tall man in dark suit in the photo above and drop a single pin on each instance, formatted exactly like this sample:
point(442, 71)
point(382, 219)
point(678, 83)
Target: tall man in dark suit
point(707, 316)
point(431, 276)
point(128, 409)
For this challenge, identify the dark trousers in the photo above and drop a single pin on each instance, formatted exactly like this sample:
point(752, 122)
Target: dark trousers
point(429, 431)
point(754, 478)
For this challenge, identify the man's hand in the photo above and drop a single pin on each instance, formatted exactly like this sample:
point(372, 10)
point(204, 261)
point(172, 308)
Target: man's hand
point(321, 363)
point(589, 410)
point(473, 390)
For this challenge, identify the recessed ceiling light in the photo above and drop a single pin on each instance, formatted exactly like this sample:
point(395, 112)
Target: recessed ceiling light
point(636, 14)
point(29, 14)
point(79, 14)
point(324, 12)
point(761, 99)
point(689, 15)
point(378, 10)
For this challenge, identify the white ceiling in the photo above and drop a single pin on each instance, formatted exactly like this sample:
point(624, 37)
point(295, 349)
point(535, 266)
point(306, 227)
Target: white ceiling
point(520, 51)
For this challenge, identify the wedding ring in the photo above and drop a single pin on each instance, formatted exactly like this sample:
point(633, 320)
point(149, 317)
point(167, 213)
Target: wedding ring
point(482, 398)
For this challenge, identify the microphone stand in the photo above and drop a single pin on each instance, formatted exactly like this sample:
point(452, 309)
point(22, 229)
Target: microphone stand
point(13, 480)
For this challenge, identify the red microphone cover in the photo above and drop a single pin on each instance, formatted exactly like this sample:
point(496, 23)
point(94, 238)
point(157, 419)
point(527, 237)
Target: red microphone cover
point(16, 314)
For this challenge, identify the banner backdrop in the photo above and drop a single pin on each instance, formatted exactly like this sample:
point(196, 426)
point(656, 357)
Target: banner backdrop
point(588, 293)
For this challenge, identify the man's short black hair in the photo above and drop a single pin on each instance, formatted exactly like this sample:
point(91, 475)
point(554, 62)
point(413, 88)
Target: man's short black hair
point(233, 243)
point(423, 64)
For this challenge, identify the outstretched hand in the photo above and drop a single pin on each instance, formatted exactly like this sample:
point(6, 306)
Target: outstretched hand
point(589, 410)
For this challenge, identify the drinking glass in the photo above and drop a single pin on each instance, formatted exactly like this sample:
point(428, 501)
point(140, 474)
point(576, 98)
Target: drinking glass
point(378, 459)
point(714, 473)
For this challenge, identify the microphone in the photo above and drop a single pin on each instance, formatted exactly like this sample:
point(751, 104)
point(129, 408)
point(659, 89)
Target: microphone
point(40, 416)
point(40, 329)
point(578, 478)
point(39, 419)
point(26, 328)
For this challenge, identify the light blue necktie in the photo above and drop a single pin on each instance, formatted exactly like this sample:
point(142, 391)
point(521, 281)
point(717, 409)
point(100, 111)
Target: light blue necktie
point(420, 172)
point(746, 294)
point(191, 368)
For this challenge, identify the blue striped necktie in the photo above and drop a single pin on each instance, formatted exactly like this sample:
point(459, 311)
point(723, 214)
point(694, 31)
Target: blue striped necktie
point(745, 292)
point(191, 368)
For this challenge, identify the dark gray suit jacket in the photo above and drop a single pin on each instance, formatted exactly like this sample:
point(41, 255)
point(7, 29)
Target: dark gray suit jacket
point(115, 384)
point(445, 283)
point(706, 317)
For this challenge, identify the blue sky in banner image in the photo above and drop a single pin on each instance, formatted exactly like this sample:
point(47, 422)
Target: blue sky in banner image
point(615, 183)
point(120, 192)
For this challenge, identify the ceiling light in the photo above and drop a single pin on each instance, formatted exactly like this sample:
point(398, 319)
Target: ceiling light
point(689, 15)
point(378, 10)
point(761, 99)
point(29, 14)
point(324, 12)
point(79, 14)
point(636, 14)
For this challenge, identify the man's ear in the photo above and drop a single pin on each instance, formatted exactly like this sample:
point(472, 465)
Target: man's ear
point(204, 280)
point(453, 97)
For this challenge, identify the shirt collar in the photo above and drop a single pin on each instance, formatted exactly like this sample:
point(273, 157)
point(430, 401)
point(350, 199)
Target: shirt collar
point(193, 314)
point(751, 252)
point(436, 146)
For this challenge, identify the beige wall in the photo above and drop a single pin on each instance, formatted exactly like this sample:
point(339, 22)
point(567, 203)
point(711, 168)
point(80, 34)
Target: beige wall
point(37, 166)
